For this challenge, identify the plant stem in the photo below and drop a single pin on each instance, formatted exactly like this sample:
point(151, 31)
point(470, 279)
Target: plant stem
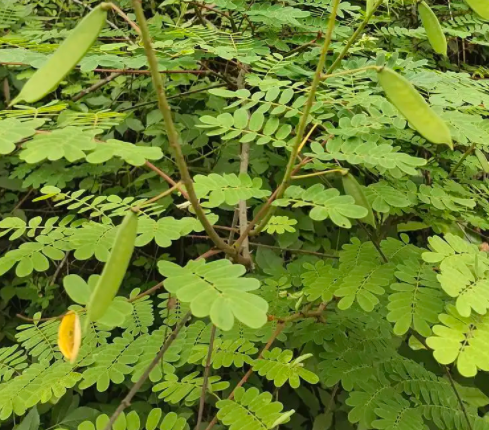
point(354, 36)
point(121, 13)
point(243, 380)
point(206, 377)
point(469, 150)
point(351, 72)
point(126, 402)
point(173, 136)
point(264, 214)
point(326, 172)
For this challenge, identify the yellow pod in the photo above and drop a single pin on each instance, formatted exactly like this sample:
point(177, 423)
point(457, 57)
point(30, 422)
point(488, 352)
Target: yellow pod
point(69, 336)
point(434, 31)
point(480, 7)
point(66, 57)
point(414, 108)
point(115, 268)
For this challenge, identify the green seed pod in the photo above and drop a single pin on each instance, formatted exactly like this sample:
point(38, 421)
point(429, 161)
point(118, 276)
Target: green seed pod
point(482, 160)
point(115, 268)
point(66, 57)
point(480, 7)
point(414, 108)
point(435, 34)
point(354, 189)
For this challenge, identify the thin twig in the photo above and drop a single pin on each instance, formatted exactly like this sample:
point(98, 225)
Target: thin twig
point(173, 137)
point(121, 13)
point(206, 377)
point(265, 213)
point(95, 86)
point(459, 399)
point(243, 169)
point(294, 251)
point(165, 193)
point(167, 178)
point(120, 71)
point(158, 286)
point(354, 37)
point(469, 151)
point(172, 97)
point(126, 402)
point(113, 25)
point(245, 378)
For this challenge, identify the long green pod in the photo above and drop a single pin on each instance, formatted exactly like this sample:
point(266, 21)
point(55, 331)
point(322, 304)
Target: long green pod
point(354, 189)
point(115, 268)
point(482, 160)
point(480, 7)
point(434, 31)
point(66, 57)
point(413, 107)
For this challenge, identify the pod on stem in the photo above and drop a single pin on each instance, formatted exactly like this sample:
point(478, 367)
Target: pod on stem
point(115, 268)
point(434, 31)
point(66, 57)
point(354, 189)
point(413, 107)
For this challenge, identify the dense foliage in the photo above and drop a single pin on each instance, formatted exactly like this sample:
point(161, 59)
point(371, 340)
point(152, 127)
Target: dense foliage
point(310, 187)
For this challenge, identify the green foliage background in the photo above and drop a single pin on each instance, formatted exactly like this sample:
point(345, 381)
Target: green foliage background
point(338, 323)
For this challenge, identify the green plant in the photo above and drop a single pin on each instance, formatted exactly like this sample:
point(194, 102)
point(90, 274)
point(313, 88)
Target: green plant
point(289, 199)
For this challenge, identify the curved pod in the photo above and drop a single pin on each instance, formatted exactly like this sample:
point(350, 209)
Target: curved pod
point(69, 336)
point(115, 268)
point(354, 189)
point(435, 34)
point(480, 7)
point(413, 107)
point(66, 57)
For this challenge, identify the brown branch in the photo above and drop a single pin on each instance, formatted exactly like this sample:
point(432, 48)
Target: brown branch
point(294, 251)
point(206, 377)
point(167, 178)
point(126, 402)
point(245, 378)
point(224, 14)
point(121, 71)
point(95, 86)
point(121, 13)
point(147, 292)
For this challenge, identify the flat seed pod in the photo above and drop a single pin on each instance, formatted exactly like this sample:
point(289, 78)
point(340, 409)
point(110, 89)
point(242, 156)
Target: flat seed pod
point(69, 336)
point(115, 268)
point(354, 189)
point(480, 7)
point(66, 57)
point(413, 107)
point(482, 160)
point(435, 34)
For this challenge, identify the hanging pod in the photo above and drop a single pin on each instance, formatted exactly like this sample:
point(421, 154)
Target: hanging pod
point(369, 6)
point(69, 336)
point(115, 268)
point(413, 107)
point(66, 57)
point(354, 189)
point(435, 34)
point(482, 160)
point(480, 7)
